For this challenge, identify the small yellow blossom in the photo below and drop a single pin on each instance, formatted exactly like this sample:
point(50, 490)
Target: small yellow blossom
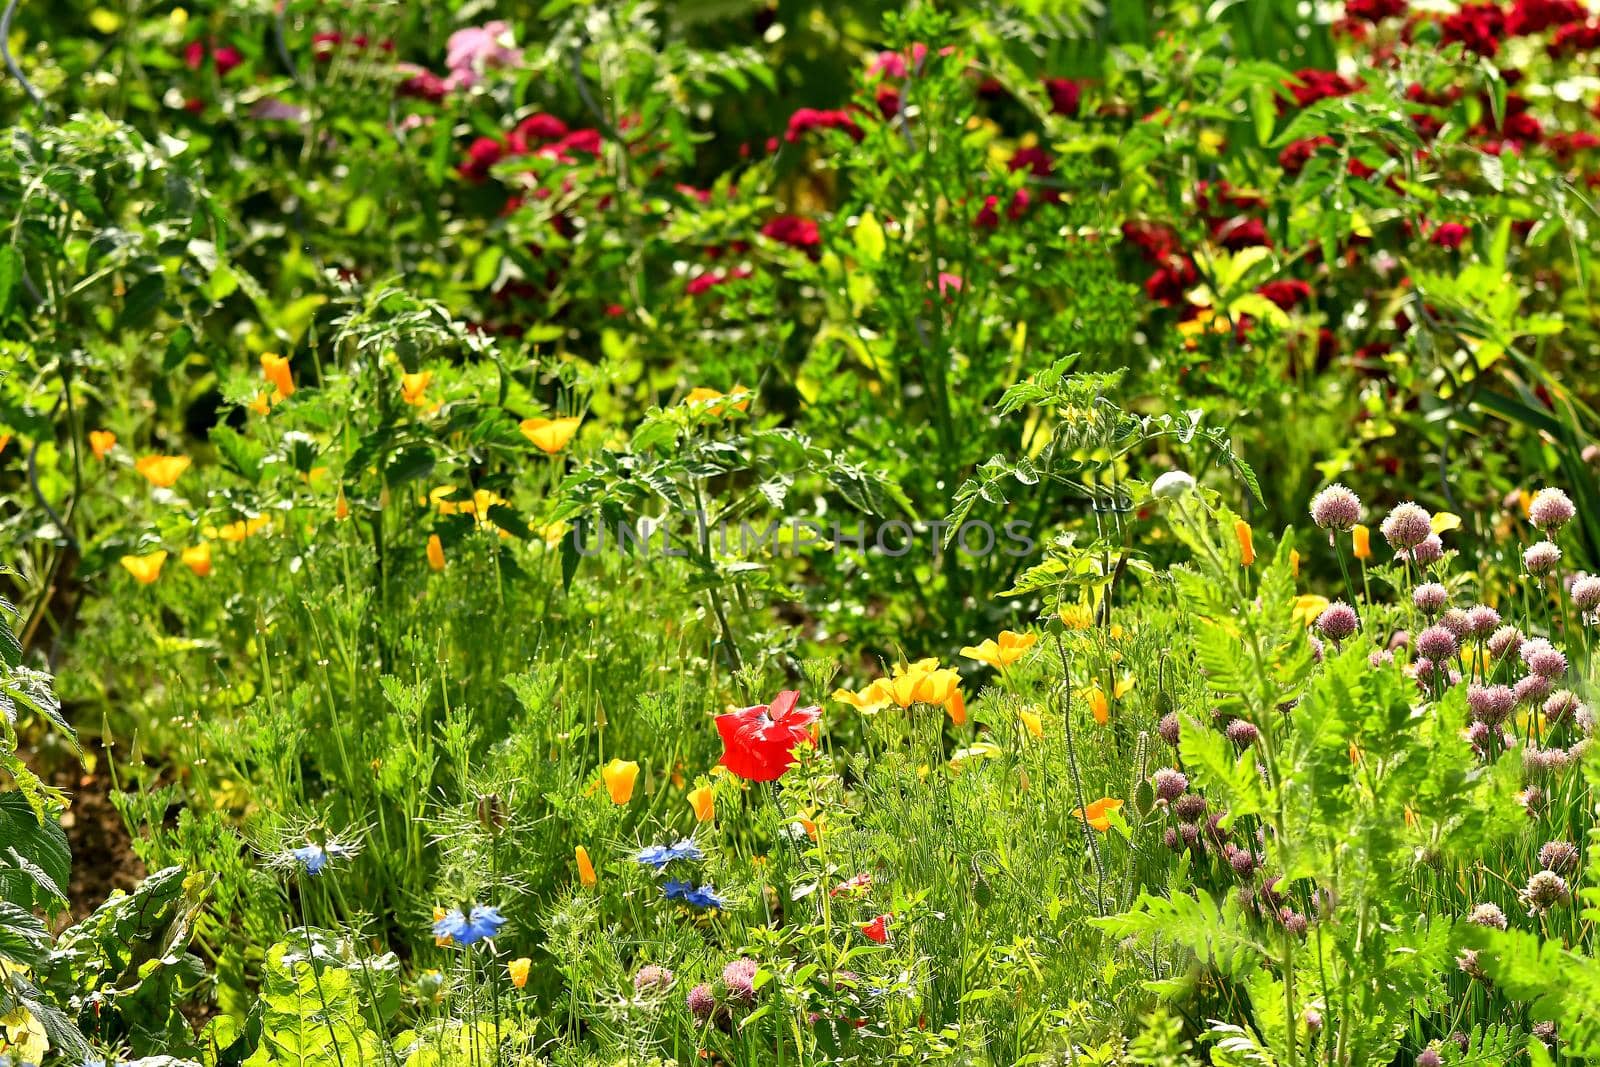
point(619, 776)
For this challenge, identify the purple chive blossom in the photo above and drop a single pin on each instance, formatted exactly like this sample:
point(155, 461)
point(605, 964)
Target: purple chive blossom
point(1430, 598)
point(701, 1002)
point(1169, 784)
point(1483, 620)
point(1437, 644)
point(1541, 559)
point(1380, 657)
point(1336, 508)
point(1506, 641)
point(1338, 621)
point(1428, 1058)
point(1456, 621)
point(1316, 647)
point(1547, 663)
point(1242, 733)
point(1430, 550)
point(1550, 510)
point(1489, 915)
point(1559, 856)
point(1491, 704)
point(1586, 592)
point(1545, 890)
point(1407, 526)
point(1191, 807)
point(1532, 690)
point(1168, 728)
point(1561, 706)
point(739, 978)
point(652, 979)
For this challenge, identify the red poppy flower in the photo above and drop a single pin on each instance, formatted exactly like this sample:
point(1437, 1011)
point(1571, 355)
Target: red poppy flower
point(758, 743)
point(878, 929)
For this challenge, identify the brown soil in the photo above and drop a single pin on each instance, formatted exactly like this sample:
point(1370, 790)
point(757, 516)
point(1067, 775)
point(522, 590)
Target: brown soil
point(102, 852)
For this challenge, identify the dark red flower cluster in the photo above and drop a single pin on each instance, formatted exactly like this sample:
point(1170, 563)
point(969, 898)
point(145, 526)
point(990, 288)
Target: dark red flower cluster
point(1224, 210)
point(1308, 86)
point(224, 57)
point(988, 217)
point(1374, 10)
point(1296, 154)
point(794, 231)
point(1449, 235)
point(538, 134)
point(1066, 96)
point(1537, 16)
point(708, 280)
point(1287, 293)
point(1573, 38)
point(1476, 27)
point(809, 119)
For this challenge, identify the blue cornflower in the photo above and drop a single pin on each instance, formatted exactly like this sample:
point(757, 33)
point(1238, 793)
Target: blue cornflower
point(658, 856)
point(470, 929)
point(313, 858)
point(701, 897)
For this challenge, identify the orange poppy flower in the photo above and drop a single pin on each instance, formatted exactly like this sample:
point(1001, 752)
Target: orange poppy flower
point(1098, 813)
point(586, 873)
point(704, 803)
point(414, 387)
point(1361, 539)
point(550, 435)
point(197, 559)
point(1003, 652)
point(102, 442)
point(435, 552)
point(147, 568)
point(1033, 722)
point(1099, 706)
point(1247, 545)
point(275, 369)
point(162, 471)
point(518, 970)
point(620, 776)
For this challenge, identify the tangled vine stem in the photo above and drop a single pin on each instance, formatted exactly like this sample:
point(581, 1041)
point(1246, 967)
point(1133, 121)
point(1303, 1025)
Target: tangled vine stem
point(11, 61)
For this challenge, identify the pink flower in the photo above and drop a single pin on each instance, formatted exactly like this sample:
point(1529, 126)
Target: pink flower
point(421, 83)
point(1449, 235)
point(808, 119)
point(477, 49)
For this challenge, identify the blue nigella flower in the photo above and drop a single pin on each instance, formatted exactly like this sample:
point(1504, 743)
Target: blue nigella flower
point(470, 929)
point(701, 897)
point(658, 856)
point(312, 858)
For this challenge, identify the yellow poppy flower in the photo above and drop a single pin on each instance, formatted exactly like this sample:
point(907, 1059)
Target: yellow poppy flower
point(619, 776)
point(1361, 540)
point(1247, 545)
point(197, 559)
point(1307, 606)
point(147, 568)
point(1099, 706)
point(162, 471)
point(518, 969)
point(550, 435)
point(1123, 687)
point(701, 394)
point(1077, 617)
point(275, 369)
point(1098, 813)
point(435, 552)
point(943, 687)
point(867, 700)
point(586, 873)
point(102, 442)
point(237, 531)
point(414, 387)
point(704, 803)
point(439, 912)
point(1004, 652)
point(1033, 722)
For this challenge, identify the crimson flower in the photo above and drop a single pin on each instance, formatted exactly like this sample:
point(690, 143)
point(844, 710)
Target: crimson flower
point(758, 742)
point(878, 929)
